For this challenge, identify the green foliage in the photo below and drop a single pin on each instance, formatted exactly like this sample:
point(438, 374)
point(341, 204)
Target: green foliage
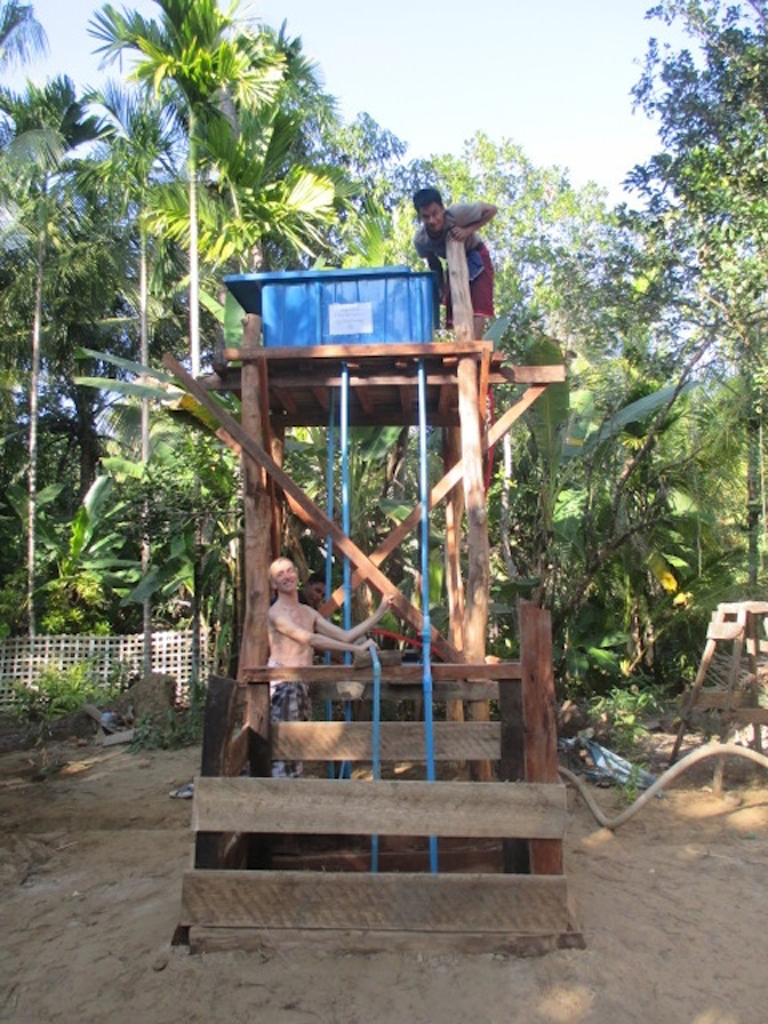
point(58, 691)
point(178, 729)
point(620, 712)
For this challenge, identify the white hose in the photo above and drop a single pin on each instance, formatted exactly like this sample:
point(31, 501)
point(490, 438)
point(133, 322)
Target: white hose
point(701, 754)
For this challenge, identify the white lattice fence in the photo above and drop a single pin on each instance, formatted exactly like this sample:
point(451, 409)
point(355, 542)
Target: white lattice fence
point(23, 660)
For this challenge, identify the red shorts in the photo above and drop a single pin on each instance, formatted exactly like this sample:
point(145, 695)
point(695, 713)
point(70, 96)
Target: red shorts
point(480, 290)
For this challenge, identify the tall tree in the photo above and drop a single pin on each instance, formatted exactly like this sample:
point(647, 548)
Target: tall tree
point(139, 152)
point(200, 60)
point(706, 198)
point(40, 129)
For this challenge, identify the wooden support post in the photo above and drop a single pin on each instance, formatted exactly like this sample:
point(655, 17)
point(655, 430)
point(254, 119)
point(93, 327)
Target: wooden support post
point(277, 450)
point(478, 551)
point(454, 513)
point(515, 852)
point(218, 726)
point(254, 649)
point(540, 721)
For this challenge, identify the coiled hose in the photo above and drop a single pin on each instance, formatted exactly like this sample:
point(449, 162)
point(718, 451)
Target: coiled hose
point(701, 754)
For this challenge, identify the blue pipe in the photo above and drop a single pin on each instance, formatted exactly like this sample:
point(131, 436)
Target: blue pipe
point(426, 652)
point(376, 743)
point(344, 770)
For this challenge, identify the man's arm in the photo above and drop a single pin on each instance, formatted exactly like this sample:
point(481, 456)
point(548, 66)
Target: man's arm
point(329, 629)
point(487, 212)
point(326, 636)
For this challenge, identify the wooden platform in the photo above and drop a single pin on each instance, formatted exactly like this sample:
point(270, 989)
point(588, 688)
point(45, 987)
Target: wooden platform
point(383, 380)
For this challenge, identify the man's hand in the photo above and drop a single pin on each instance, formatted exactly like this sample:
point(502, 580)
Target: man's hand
point(460, 234)
point(366, 645)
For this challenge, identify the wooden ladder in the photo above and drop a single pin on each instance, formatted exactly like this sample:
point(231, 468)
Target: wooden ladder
point(734, 681)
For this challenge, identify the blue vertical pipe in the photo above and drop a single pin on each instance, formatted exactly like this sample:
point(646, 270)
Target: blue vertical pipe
point(426, 652)
point(376, 743)
point(344, 770)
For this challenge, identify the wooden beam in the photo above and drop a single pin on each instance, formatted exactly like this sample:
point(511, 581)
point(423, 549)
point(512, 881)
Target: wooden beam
point(454, 584)
point(540, 720)
point(394, 539)
point(410, 350)
point(389, 673)
point(441, 692)
point(383, 902)
point(399, 741)
point(487, 810)
point(321, 523)
point(322, 397)
point(363, 395)
point(503, 944)
point(257, 510)
point(283, 395)
point(533, 374)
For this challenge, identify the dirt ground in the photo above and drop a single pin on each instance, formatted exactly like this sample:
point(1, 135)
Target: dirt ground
point(674, 908)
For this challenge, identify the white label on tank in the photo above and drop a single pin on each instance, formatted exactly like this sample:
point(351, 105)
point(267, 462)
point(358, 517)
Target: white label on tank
point(350, 318)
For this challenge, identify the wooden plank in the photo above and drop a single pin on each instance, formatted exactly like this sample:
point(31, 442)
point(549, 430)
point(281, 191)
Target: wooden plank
point(321, 523)
point(374, 380)
point(218, 724)
point(747, 716)
point(389, 673)
point(409, 350)
point(447, 691)
point(261, 940)
point(534, 374)
point(352, 807)
point(724, 630)
point(384, 902)
point(412, 855)
point(540, 720)
point(238, 752)
point(399, 741)
point(350, 941)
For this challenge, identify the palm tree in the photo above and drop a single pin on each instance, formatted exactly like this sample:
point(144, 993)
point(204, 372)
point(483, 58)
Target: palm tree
point(20, 34)
point(141, 142)
point(201, 61)
point(40, 129)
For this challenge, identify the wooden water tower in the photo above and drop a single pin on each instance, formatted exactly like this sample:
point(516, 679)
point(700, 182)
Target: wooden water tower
point(261, 873)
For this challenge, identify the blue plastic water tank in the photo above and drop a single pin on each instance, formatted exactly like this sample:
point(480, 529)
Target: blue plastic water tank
point(372, 305)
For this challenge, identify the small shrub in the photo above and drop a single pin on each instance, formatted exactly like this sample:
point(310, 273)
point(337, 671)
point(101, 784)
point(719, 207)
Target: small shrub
point(58, 691)
point(177, 729)
point(620, 713)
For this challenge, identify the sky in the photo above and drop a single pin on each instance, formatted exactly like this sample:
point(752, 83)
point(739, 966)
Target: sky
point(554, 78)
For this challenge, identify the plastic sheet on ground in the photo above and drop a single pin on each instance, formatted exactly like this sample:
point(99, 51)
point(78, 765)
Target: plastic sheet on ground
point(606, 766)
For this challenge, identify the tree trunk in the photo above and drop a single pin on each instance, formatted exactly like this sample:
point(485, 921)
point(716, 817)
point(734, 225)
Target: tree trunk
point(33, 417)
point(144, 359)
point(194, 282)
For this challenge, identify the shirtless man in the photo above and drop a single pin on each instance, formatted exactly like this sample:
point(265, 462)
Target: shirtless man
point(295, 632)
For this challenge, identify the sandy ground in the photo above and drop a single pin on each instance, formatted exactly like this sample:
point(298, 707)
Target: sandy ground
point(674, 909)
